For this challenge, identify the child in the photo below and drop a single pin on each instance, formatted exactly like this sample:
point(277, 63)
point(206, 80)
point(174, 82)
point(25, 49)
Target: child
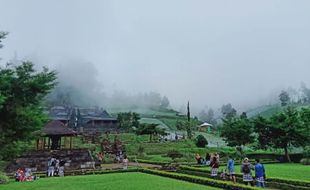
point(223, 174)
point(125, 163)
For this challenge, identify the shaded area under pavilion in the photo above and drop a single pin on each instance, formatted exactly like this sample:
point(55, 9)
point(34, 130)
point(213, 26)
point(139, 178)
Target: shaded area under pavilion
point(55, 136)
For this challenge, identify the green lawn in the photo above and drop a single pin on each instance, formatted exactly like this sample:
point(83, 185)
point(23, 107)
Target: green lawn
point(290, 171)
point(134, 181)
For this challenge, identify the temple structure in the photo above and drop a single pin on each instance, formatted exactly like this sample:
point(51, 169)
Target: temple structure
point(55, 135)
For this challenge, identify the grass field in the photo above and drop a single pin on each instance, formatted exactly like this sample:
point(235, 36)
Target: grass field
point(129, 181)
point(290, 171)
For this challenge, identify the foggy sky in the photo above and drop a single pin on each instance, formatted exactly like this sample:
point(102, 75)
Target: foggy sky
point(208, 52)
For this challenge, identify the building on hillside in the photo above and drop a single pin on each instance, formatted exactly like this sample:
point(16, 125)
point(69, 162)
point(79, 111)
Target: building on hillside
point(205, 127)
point(60, 113)
point(96, 120)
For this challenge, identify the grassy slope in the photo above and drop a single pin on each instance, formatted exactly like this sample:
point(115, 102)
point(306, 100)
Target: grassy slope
point(157, 151)
point(155, 121)
point(134, 181)
point(269, 110)
point(265, 111)
point(165, 117)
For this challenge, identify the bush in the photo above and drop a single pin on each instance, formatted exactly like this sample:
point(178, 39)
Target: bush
point(3, 178)
point(305, 161)
point(140, 150)
point(282, 181)
point(173, 154)
point(201, 141)
point(307, 152)
point(199, 180)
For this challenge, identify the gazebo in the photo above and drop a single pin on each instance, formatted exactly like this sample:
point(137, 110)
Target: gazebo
point(52, 134)
point(205, 127)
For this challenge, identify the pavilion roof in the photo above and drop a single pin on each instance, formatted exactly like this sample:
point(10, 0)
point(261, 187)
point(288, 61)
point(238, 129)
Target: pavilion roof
point(55, 127)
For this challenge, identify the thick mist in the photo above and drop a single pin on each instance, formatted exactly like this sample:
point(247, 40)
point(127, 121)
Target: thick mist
point(208, 52)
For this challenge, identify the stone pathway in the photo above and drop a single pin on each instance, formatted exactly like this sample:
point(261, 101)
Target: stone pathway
point(115, 166)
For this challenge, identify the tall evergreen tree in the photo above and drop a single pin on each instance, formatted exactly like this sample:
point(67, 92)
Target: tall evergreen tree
point(22, 91)
point(189, 127)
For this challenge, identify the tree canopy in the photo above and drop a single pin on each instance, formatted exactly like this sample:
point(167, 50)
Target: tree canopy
point(284, 98)
point(288, 128)
point(22, 90)
point(150, 129)
point(128, 120)
point(237, 131)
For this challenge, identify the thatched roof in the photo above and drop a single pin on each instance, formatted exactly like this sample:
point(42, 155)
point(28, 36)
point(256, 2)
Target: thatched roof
point(55, 127)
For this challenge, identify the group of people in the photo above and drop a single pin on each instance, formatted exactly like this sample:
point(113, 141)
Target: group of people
point(213, 160)
point(207, 160)
point(119, 158)
point(24, 175)
point(259, 169)
point(123, 159)
point(55, 167)
point(246, 170)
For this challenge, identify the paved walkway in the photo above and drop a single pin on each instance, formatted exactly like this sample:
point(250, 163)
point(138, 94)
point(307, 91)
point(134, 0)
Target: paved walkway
point(115, 166)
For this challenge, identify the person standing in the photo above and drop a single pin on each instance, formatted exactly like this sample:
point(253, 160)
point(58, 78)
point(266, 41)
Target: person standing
point(51, 167)
point(214, 167)
point(125, 162)
point(231, 169)
point(198, 159)
point(246, 168)
point(260, 174)
point(208, 158)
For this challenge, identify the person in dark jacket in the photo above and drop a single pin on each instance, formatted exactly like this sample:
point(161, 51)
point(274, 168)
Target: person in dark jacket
point(214, 167)
point(246, 168)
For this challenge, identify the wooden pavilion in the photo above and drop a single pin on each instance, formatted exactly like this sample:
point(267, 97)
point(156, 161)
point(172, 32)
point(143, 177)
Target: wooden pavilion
point(54, 136)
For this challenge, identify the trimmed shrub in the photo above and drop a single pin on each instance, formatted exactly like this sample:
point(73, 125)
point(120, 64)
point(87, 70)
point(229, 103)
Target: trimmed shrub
point(305, 161)
point(269, 179)
point(141, 150)
point(199, 180)
point(3, 178)
point(201, 141)
point(173, 154)
point(152, 162)
point(306, 152)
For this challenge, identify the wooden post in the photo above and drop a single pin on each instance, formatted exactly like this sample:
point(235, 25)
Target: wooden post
point(70, 142)
point(43, 143)
point(49, 143)
point(37, 144)
point(60, 143)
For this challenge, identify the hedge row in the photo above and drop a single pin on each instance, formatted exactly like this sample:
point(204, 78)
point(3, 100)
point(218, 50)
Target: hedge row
point(85, 172)
point(276, 185)
point(236, 163)
point(153, 162)
point(274, 156)
point(199, 180)
point(270, 179)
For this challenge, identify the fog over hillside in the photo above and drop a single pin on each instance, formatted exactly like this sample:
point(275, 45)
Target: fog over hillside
point(208, 52)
